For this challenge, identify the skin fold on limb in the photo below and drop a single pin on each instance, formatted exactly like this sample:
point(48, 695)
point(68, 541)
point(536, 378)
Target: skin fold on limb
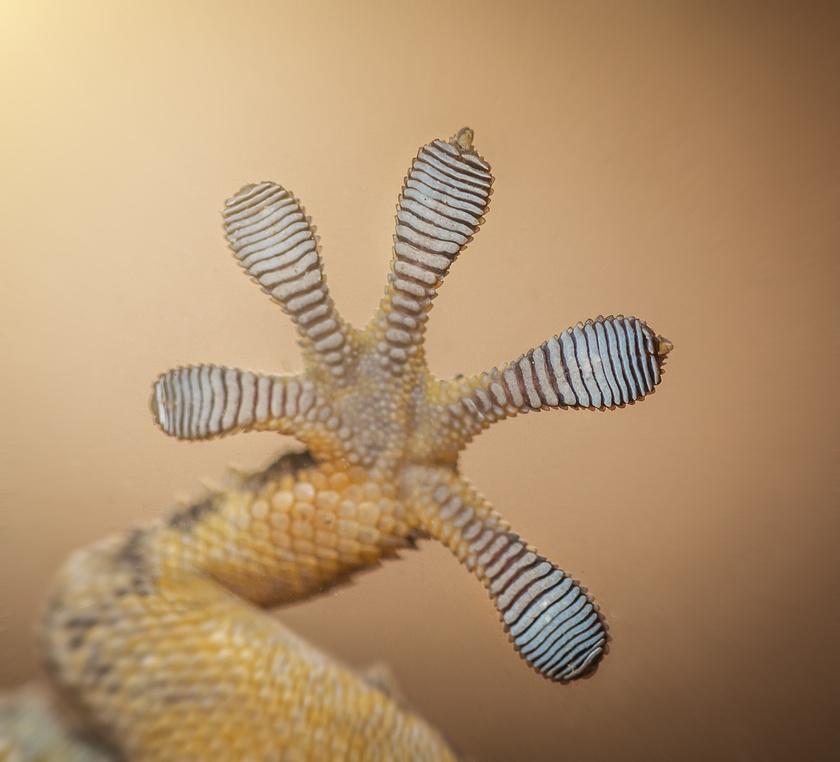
point(159, 635)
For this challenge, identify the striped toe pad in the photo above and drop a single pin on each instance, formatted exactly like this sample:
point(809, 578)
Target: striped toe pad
point(550, 619)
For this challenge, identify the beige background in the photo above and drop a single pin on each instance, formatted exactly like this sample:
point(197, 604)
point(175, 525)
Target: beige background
point(675, 161)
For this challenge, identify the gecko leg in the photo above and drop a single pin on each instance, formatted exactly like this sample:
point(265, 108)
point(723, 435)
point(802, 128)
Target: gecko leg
point(552, 622)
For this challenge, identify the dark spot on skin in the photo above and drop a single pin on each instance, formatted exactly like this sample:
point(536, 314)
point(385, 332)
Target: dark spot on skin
point(287, 464)
point(100, 671)
point(187, 518)
point(131, 556)
point(79, 626)
point(76, 641)
point(81, 622)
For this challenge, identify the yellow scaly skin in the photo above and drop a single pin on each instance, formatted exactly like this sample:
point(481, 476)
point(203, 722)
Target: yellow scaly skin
point(158, 635)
